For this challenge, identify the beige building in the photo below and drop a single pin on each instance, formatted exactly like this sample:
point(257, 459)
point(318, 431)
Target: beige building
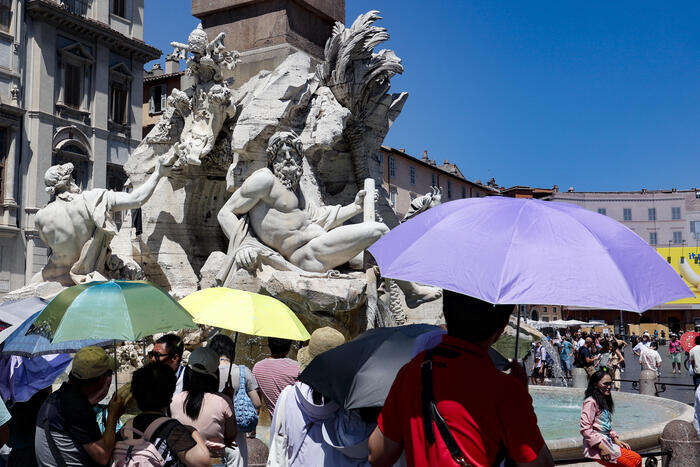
point(71, 74)
point(406, 177)
point(157, 86)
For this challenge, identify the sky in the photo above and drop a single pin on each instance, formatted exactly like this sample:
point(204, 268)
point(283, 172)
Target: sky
point(597, 95)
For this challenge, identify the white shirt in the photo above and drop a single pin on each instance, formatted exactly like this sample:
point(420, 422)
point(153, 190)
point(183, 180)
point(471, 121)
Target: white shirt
point(697, 407)
point(695, 358)
point(640, 345)
point(180, 373)
point(649, 358)
point(541, 356)
point(580, 343)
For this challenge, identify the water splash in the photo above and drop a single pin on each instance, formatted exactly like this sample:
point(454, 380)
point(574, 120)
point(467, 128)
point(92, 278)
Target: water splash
point(556, 367)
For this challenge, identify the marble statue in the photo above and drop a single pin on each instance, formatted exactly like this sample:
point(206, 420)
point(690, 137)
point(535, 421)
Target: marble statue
point(78, 225)
point(265, 221)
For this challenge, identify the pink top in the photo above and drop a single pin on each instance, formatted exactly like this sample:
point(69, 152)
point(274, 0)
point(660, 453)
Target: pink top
point(216, 421)
point(273, 375)
point(675, 347)
point(595, 427)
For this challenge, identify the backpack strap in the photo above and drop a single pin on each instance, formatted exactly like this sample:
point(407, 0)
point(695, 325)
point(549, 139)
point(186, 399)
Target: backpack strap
point(155, 424)
point(128, 430)
point(431, 413)
point(228, 387)
point(241, 379)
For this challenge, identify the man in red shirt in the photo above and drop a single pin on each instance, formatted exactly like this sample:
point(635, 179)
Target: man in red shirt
point(489, 413)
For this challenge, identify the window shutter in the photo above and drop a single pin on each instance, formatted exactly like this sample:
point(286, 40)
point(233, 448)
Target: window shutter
point(692, 227)
point(151, 104)
point(163, 97)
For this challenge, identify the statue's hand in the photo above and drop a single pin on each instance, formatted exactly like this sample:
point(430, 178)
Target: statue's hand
point(247, 258)
point(164, 164)
point(360, 198)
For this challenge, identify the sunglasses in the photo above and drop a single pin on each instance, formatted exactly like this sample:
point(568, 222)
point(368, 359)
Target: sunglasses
point(157, 356)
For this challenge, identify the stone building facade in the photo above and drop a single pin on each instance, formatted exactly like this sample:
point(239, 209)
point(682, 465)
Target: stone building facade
point(406, 177)
point(71, 75)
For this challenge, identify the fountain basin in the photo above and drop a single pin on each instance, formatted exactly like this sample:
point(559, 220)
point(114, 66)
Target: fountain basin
point(639, 420)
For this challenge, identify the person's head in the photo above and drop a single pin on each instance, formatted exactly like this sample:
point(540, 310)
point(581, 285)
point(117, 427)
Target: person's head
point(59, 179)
point(284, 158)
point(604, 346)
point(279, 348)
point(672, 337)
point(223, 346)
point(472, 319)
point(92, 372)
point(654, 345)
point(201, 377)
point(614, 345)
point(168, 349)
point(322, 340)
point(153, 386)
point(589, 342)
point(645, 337)
point(599, 388)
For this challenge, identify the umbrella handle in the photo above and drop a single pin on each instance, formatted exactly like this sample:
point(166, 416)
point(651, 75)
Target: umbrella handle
point(235, 341)
point(517, 337)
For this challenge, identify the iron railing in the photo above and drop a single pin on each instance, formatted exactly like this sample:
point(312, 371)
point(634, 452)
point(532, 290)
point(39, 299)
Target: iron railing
point(651, 458)
point(77, 7)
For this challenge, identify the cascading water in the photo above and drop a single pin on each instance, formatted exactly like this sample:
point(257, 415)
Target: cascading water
point(556, 367)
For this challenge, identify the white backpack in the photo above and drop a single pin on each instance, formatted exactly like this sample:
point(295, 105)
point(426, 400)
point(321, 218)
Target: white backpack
point(138, 452)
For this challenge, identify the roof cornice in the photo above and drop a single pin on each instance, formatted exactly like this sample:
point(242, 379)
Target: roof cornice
point(57, 14)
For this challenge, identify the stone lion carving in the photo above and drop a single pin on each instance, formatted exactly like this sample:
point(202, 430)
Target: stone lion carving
point(265, 221)
point(78, 225)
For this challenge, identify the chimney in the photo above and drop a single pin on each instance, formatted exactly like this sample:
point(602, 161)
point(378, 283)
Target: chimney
point(156, 70)
point(555, 188)
point(425, 156)
point(172, 64)
point(402, 150)
point(644, 190)
point(571, 189)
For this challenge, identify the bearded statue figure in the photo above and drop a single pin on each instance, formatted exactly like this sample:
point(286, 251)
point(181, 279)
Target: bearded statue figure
point(78, 225)
point(265, 223)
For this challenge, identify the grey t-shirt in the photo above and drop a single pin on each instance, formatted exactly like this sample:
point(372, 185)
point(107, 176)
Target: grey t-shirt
point(250, 383)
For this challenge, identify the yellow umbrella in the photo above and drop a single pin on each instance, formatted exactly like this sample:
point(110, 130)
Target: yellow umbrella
point(246, 312)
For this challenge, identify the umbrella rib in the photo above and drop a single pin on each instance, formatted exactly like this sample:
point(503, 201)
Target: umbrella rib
point(510, 246)
point(617, 268)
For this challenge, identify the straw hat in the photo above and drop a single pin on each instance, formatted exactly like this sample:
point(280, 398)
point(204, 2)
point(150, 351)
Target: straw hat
point(322, 339)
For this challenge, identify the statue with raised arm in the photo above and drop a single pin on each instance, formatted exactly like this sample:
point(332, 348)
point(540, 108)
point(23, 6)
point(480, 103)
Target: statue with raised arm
point(264, 222)
point(78, 225)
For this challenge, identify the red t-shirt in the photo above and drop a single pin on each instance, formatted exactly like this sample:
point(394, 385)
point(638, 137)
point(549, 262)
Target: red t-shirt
point(484, 408)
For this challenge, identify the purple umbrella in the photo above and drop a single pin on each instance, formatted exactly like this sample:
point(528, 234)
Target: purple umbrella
point(526, 251)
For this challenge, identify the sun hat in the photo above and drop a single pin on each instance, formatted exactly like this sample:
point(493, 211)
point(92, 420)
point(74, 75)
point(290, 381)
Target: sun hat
point(204, 360)
point(91, 362)
point(322, 339)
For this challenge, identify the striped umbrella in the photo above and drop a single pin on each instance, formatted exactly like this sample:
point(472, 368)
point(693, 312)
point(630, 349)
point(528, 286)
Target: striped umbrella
point(120, 310)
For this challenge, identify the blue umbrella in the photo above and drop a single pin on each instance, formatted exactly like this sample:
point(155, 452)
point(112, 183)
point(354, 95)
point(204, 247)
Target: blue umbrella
point(18, 343)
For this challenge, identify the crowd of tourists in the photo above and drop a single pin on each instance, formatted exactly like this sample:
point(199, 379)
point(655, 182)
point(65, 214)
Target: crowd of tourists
point(448, 406)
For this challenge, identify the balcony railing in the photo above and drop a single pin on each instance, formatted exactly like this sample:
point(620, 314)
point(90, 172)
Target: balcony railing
point(77, 7)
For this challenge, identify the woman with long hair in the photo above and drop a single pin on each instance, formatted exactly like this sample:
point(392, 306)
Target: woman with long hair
point(230, 384)
point(600, 442)
point(200, 405)
point(615, 363)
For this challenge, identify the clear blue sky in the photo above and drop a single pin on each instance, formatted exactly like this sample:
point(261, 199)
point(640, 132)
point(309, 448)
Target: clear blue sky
point(600, 95)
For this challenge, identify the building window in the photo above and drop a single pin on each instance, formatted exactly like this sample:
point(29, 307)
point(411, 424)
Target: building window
point(449, 189)
point(156, 104)
point(77, 7)
point(392, 196)
point(653, 238)
point(119, 8)
point(695, 229)
point(464, 192)
point(75, 68)
point(433, 181)
point(677, 237)
point(652, 214)
point(602, 211)
point(544, 309)
point(675, 213)
point(74, 96)
point(119, 84)
point(118, 97)
point(3, 158)
point(392, 167)
point(627, 214)
point(5, 15)
point(413, 175)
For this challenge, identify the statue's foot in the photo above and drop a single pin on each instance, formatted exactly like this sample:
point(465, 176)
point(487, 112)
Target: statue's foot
point(193, 160)
point(417, 294)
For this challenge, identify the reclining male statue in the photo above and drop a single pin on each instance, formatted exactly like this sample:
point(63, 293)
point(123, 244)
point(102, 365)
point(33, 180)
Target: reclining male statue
point(264, 222)
point(78, 225)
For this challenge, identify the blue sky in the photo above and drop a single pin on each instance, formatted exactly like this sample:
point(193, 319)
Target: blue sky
point(598, 95)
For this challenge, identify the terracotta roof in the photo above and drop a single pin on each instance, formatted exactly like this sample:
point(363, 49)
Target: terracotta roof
point(162, 77)
point(58, 13)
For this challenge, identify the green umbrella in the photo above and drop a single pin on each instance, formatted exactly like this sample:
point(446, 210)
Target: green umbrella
point(119, 310)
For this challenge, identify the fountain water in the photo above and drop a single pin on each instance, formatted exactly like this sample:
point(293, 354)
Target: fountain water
point(556, 366)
